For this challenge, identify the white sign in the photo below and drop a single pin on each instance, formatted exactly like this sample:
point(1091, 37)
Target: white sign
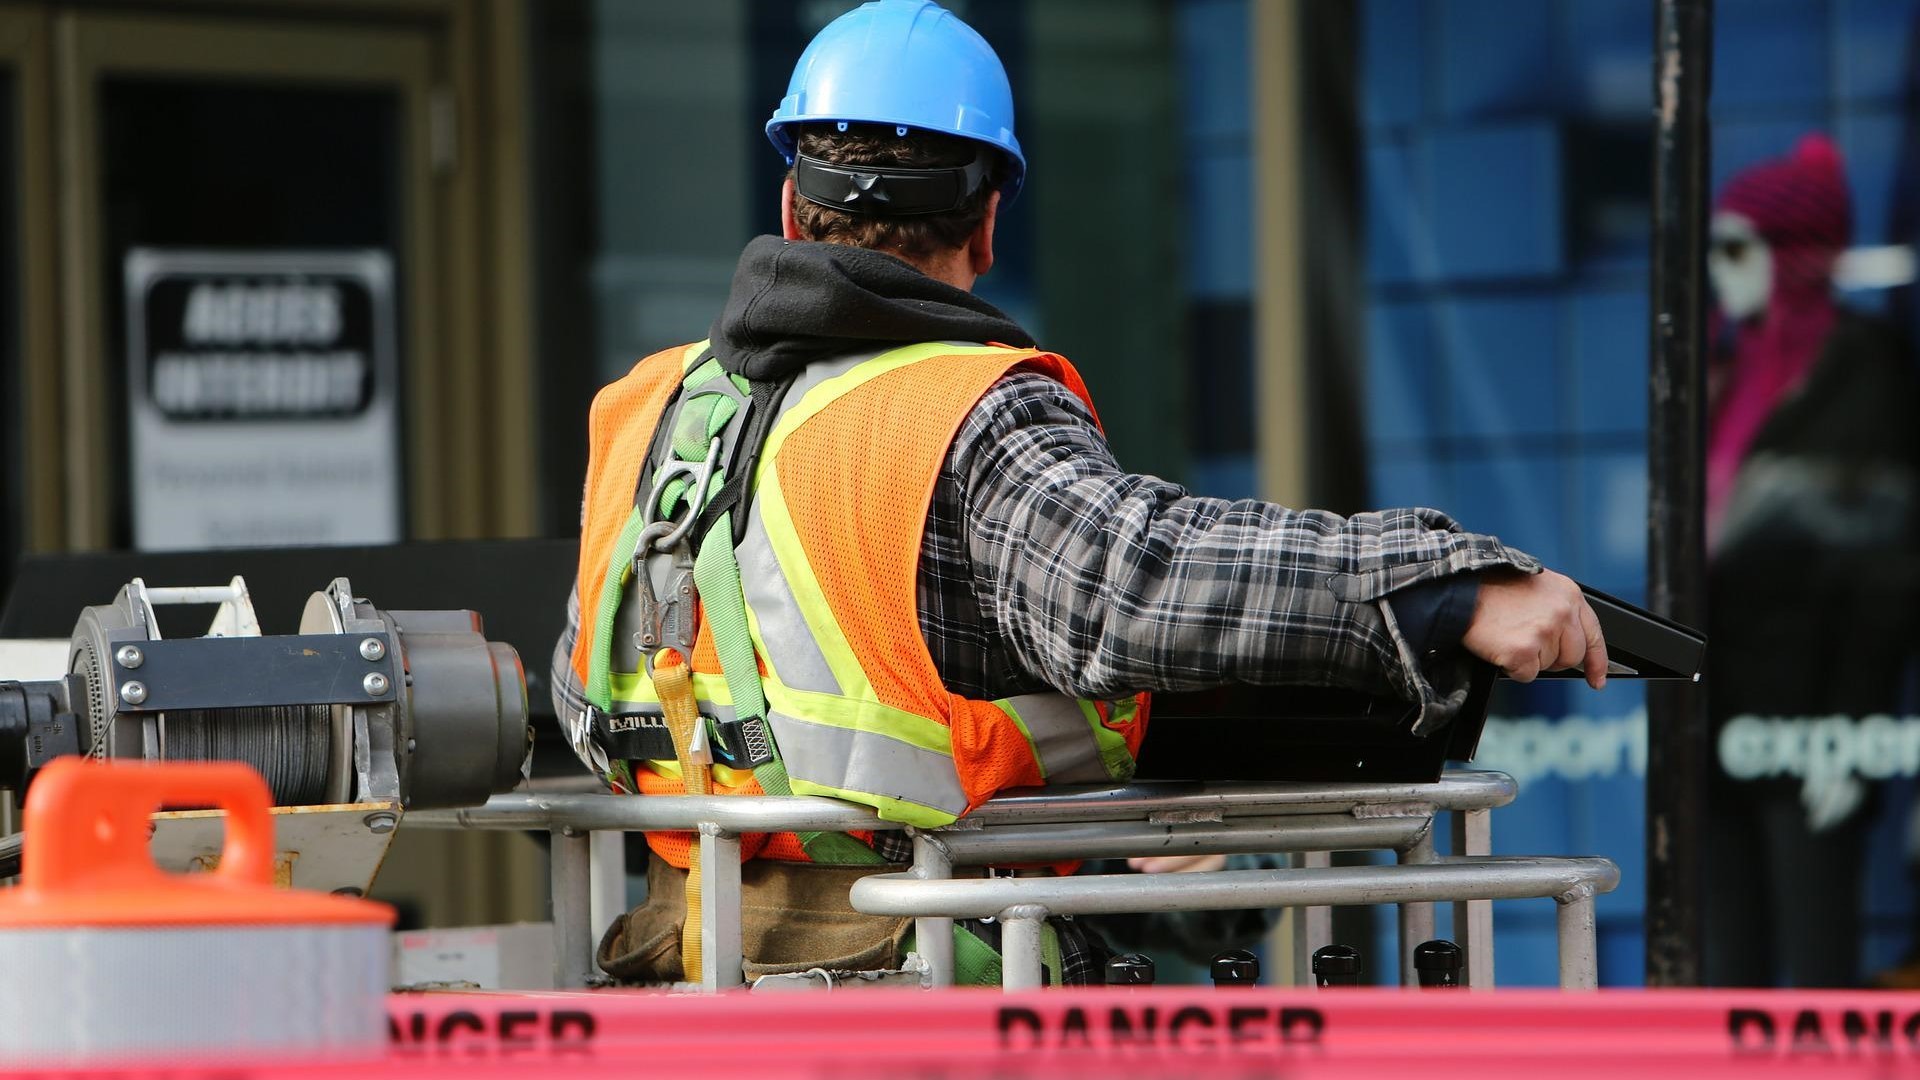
point(264, 399)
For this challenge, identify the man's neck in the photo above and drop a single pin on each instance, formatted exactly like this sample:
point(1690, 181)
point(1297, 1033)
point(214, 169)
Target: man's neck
point(952, 267)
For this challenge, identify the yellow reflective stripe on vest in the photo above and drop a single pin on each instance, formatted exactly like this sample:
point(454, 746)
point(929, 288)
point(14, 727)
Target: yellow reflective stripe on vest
point(775, 621)
point(832, 389)
point(829, 641)
point(1114, 755)
point(856, 714)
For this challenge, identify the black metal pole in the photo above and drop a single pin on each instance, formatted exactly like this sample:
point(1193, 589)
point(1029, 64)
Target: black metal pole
point(1677, 738)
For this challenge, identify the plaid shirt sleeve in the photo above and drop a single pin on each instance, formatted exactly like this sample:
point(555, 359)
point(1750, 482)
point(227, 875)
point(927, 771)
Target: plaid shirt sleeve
point(1105, 583)
point(569, 697)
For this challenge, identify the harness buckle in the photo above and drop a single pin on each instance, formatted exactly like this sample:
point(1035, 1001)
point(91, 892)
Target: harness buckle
point(675, 621)
point(647, 638)
point(583, 736)
point(743, 743)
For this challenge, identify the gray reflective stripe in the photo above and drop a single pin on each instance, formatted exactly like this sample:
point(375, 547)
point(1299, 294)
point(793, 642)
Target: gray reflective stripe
point(866, 761)
point(820, 371)
point(792, 651)
point(1062, 738)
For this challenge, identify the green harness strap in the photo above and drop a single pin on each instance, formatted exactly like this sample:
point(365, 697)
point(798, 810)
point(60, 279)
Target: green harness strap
point(975, 963)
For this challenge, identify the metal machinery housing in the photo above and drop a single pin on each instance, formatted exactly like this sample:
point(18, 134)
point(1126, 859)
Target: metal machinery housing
point(405, 709)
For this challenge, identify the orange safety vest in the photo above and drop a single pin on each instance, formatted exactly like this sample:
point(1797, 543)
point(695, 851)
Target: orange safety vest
point(828, 567)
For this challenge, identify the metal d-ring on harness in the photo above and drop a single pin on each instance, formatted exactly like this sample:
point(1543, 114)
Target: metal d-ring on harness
point(699, 542)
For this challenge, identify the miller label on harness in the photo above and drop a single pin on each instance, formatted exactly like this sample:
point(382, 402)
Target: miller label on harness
point(759, 547)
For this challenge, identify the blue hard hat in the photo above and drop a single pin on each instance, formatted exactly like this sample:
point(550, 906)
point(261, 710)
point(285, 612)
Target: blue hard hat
point(910, 63)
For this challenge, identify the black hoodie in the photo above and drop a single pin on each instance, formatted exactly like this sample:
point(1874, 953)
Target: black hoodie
point(794, 302)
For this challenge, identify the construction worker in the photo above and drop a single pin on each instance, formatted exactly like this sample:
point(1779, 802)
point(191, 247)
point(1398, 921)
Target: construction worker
point(868, 541)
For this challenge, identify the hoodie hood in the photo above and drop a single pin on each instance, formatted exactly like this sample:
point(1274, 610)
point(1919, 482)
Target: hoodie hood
point(794, 302)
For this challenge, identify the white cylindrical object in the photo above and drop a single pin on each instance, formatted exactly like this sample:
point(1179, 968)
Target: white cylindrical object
point(172, 993)
point(106, 960)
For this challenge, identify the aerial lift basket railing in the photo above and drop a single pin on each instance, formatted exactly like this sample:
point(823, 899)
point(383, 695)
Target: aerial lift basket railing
point(1309, 820)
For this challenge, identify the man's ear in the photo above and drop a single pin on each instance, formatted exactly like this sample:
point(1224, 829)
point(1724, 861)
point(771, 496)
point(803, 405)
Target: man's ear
point(980, 245)
point(788, 227)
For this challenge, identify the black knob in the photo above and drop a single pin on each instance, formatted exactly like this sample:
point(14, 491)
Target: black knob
point(1438, 963)
point(1236, 968)
point(1336, 965)
point(1130, 969)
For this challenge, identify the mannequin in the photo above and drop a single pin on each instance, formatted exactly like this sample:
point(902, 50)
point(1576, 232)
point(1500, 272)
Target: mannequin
point(1812, 460)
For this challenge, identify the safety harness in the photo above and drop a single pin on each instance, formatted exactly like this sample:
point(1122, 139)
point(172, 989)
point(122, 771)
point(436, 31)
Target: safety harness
point(684, 515)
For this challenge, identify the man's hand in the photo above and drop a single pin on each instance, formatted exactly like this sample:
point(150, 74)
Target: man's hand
point(1525, 624)
point(1177, 864)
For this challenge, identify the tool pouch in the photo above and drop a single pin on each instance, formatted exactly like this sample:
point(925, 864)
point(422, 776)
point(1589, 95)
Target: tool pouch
point(794, 917)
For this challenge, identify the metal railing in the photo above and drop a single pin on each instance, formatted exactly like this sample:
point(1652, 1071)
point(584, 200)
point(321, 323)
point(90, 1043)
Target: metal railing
point(1022, 905)
point(1310, 820)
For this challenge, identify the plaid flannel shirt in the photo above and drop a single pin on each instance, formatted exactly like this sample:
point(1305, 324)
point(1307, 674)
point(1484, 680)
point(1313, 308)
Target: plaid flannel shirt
point(1045, 565)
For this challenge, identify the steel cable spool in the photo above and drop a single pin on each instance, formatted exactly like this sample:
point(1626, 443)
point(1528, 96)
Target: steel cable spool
point(287, 744)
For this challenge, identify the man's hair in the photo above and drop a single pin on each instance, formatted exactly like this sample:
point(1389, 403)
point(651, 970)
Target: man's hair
point(916, 237)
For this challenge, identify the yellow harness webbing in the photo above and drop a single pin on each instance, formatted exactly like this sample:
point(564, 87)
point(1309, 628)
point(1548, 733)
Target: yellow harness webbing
point(675, 686)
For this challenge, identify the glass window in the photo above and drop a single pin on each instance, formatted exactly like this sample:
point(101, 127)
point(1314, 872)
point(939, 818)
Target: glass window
point(1216, 147)
point(1506, 149)
point(679, 176)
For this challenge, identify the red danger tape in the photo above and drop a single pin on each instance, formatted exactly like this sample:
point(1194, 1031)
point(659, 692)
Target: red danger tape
point(927, 1066)
point(1747, 1027)
point(1066, 1035)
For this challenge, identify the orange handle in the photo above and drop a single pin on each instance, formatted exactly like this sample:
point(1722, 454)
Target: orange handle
point(87, 823)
